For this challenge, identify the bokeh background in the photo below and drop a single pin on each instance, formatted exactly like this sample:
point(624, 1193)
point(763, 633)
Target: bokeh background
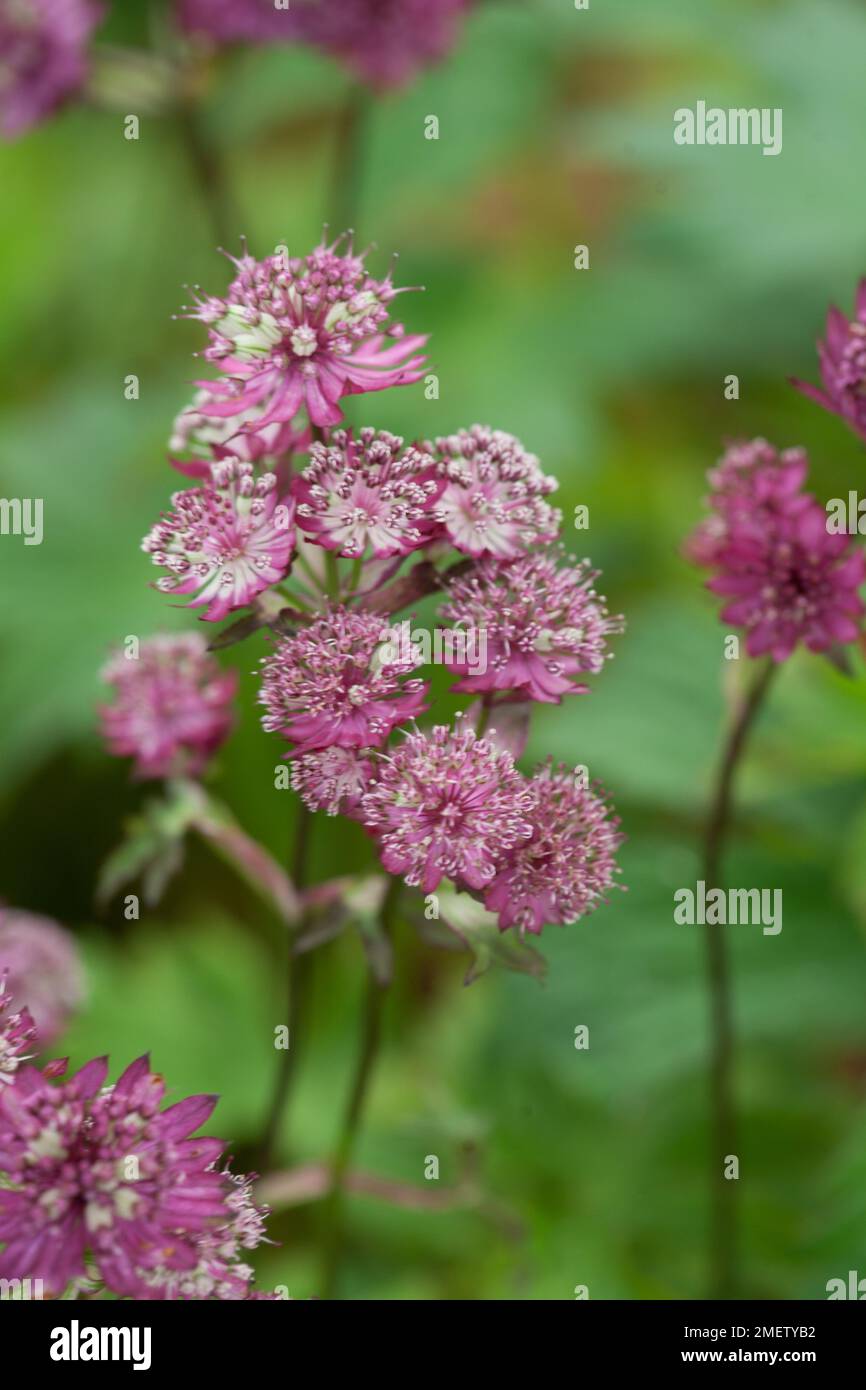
point(570, 1167)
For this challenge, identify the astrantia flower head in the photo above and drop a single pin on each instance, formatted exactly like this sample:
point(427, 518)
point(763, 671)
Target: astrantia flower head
point(791, 584)
point(326, 686)
point(333, 779)
point(543, 623)
point(42, 969)
point(842, 356)
point(384, 42)
point(172, 706)
point(43, 47)
point(752, 484)
point(568, 865)
point(17, 1032)
point(493, 497)
point(204, 439)
point(226, 541)
point(445, 804)
point(221, 1271)
point(103, 1172)
point(294, 333)
point(368, 495)
point(788, 580)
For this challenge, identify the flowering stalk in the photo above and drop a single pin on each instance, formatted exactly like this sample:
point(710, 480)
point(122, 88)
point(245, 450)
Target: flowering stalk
point(208, 171)
point(787, 582)
point(298, 975)
point(374, 1006)
point(327, 556)
point(348, 163)
point(724, 1130)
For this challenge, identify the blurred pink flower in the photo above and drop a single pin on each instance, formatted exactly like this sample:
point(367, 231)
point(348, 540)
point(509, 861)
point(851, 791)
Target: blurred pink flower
point(333, 779)
point(43, 57)
point(225, 541)
point(384, 42)
point(103, 1173)
point(789, 580)
point(172, 706)
point(42, 968)
point(842, 357)
point(205, 439)
point(17, 1032)
point(751, 481)
point(568, 866)
point(295, 333)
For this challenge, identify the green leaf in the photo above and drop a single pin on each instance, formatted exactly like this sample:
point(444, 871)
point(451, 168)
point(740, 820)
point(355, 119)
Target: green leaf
point(479, 931)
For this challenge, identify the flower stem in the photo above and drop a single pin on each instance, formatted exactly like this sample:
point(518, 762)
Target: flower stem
point(724, 1129)
point(298, 979)
point(208, 171)
point(374, 1005)
point(347, 168)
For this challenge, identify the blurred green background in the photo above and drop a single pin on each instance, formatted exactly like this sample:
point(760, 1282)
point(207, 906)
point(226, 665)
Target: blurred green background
point(555, 130)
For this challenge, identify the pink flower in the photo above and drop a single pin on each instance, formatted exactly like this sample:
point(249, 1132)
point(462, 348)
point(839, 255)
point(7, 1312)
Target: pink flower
point(791, 582)
point(221, 1271)
point(567, 866)
point(446, 804)
point(206, 439)
point(752, 483)
point(172, 706)
point(842, 356)
point(333, 779)
point(385, 42)
point(103, 1173)
point(326, 686)
point(17, 1032)
point(43, 57)
point(42, 969)
point(493, 498)
point(788, 579)
point(295, 333)
point(369, 493)
point(226, 541)
point(542, 624)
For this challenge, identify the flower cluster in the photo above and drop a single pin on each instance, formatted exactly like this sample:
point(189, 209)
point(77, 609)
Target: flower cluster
point(786, 579)
point(327, 549)
point(493, 500)
point(384, 42)
point(544, 624)
point(367, 496)
point(842, 358)
point(172, 706)
point(43, 57)
point(567, 865)
point(42, 970)
point(225, 541)
point(100, 1178)
point(17, 1032)
point(300, 333)
point(325, 688)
